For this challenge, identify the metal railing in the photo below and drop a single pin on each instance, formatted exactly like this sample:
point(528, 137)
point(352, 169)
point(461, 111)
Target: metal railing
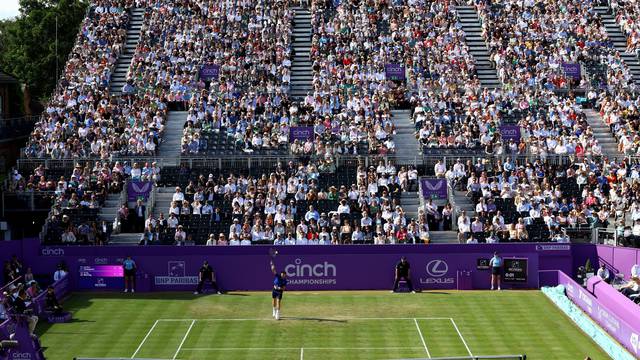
point(257, 161)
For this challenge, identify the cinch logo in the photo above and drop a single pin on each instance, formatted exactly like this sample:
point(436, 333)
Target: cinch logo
point(21, 356)
point(301, 132)
point(437, 270)
point(320, 270)
point(99, 261)
point(52, 252)
point(176, 275)
point(311, 274)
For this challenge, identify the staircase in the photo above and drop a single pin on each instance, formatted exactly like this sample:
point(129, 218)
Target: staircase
point(443, 237)
point(462, 202)
point(164, 196)
point(619, 42)
point(603, 134)
point(109, 210)
point(407, 146)
point(119, 76)
point(170, 147)
point(301, 75)
point(477, 47)
point(410, 202)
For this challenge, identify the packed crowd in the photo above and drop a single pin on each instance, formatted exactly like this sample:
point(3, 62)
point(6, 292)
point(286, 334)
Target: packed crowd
point(512, 198)
point(529, 42)
point(250, 42)
point(291, 205)
point(81, 119)
point(76, 199)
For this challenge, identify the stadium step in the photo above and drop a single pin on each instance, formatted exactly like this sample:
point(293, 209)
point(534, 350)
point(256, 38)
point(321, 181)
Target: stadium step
point(619, 41)
point(301, 74)
point(170, 147)
point(602, 134)
point(477, 47)
point(125, 239)
point(164, 196)
point(443, 237)
point(121, 71)
point(110, 208)
point(407, 146)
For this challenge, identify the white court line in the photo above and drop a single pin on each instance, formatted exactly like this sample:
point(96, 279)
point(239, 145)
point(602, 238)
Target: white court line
point(422, 338)
point(303, 318)
point(301, 353)
point(461, 337)
point(307, 348)
point(145, 339)
point(183, 339)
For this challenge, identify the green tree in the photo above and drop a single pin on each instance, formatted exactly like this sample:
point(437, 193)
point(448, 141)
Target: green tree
point(28, 43)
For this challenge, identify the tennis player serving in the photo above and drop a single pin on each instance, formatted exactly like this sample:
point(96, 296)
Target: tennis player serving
point(279, 285)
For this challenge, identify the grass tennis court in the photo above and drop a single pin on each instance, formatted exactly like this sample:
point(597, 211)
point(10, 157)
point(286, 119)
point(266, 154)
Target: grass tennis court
point(327, 325)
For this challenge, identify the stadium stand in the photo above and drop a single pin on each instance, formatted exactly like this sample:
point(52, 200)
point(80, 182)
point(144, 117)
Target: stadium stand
point(309, 86)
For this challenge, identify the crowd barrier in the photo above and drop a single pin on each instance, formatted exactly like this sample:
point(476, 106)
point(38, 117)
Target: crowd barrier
point(618, 316)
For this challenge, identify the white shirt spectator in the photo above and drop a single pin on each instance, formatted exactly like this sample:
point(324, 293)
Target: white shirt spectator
point(59, 274)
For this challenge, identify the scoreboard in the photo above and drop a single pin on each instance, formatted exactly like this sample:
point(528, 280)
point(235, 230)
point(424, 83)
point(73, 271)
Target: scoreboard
point(515, 270)
point(101, 277)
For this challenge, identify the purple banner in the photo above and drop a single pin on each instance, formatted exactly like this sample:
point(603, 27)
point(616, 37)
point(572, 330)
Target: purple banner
point(139, 190)
point(301, 133)
point(572, 70)
point(617, 327)
point(209, 72)
point(394, 71)
point(434, 188)
point(309, 267)
point(510, 132)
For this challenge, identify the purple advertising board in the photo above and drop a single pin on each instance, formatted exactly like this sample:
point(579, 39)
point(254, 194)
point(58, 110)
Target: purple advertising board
point(394, 71)
point(600, 311)
point(572, 70)
point(309, 267)
point(510, 132)
point(139, 190)
point(434, 188)
point(302, 133)
point(617, 259)
point(209, 72)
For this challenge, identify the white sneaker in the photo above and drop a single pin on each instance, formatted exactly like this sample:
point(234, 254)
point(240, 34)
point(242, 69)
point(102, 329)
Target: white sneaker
point(133, 290)
point(126, 290)
point(277, 315)
point(499, 288)
point(392, 291)
point(413, 291)
point(219, 292)
point(492, 288)
point(195, 293)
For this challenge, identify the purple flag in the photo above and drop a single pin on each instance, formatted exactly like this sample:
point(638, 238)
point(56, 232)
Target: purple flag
point(139, 190)
point(394, 71)
point(434, 188)
point(209, 71)
point(301, 133)
point(510, 132)
point(572, 70)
